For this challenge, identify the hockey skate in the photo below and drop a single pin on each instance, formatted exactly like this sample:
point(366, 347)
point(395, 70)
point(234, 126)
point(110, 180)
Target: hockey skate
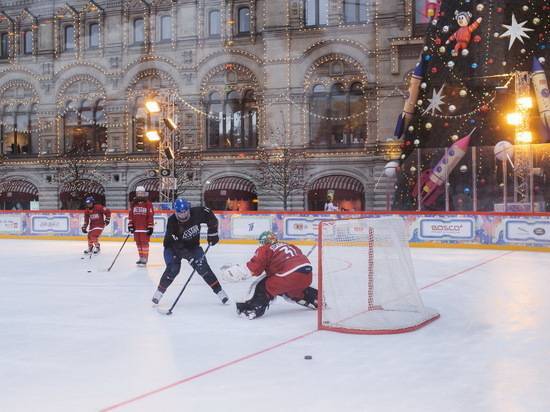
point(97, 249)
point(223, 296)
point(142, 262)
point(157, 297)
point(89, 250)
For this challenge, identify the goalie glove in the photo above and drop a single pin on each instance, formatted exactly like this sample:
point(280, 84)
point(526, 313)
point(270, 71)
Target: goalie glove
point(235, 273)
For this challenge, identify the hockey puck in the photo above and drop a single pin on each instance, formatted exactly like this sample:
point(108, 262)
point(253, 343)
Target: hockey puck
point(308, 357)
point(89, 271)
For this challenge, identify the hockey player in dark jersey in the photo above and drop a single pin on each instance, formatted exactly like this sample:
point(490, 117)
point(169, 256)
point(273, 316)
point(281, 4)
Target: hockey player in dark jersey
point(182, 241)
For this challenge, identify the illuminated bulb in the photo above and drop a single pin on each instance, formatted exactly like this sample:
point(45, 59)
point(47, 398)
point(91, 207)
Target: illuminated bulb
point(514, 119)
point(152, 106)
point(152, 135)
point(524, 103)
point(454, 137)
point(524, 137)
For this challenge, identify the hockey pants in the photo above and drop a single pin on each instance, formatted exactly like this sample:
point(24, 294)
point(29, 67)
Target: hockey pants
point(142, 242)
point(196, 259)
point(93, 237)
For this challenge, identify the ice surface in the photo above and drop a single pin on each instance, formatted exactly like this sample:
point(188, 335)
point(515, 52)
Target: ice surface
point(77, 341)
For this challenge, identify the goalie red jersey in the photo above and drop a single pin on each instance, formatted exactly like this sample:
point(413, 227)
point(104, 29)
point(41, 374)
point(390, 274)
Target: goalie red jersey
point(277, 259)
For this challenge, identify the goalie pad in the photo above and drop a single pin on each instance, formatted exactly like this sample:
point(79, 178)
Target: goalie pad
point(235, 273)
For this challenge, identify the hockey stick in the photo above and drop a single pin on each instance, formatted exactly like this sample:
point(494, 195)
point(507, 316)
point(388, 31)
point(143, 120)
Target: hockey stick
point(252, 286)
point(120, 250)
point(186, 283)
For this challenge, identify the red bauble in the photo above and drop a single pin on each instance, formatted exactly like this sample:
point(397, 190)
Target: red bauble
point(437, 41)
point(490, 61)
point(499, 9)
point(477, 38)
point(445, 124)
point(434, 69)
point(484, 108)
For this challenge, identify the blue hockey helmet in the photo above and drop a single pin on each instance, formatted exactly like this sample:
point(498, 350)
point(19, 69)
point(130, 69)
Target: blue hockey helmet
point(182, 208)
point(89, 200)
point(181, 205)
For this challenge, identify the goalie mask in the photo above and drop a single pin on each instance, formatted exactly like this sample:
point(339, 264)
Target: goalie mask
point(267, 238)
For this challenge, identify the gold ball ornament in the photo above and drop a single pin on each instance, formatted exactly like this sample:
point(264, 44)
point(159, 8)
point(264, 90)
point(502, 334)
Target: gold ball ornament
point(428, 126)
point(454, 137)
point(462, 93)
point(416, 142)
point(413, 169)
point(411, 128)
point(536, 21)
point(452, 108)
point(480, 7)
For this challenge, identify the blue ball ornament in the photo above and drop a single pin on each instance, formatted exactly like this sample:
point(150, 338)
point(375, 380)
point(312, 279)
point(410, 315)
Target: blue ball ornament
point(467, 190)
point(474, 66)
point(427, 57)
point(472, 121)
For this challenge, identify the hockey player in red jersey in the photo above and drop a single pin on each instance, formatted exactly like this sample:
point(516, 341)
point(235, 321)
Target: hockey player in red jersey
point(96, 217)
point(288, 273)
point(141, 223)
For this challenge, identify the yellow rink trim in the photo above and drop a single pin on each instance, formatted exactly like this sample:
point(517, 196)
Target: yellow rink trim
point(431, 245)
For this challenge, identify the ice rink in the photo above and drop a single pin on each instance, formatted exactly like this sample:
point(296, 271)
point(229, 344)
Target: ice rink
point(73, 340)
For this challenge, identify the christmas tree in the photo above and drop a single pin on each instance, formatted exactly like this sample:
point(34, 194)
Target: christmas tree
point(479, 57)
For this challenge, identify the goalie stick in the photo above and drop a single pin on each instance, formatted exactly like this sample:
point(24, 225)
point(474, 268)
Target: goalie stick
point(169, 312)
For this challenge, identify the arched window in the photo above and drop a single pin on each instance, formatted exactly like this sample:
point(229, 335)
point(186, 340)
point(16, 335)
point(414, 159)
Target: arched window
point(18, 121)
point(318, 108)
point(4, 45)
point(84, 127)
point(165, 28)
point(16, 131)
point(338, 110)
point(233, 123)
point(250, 119)
point(337, 119)
point(214, 23)
point(93, 35)
point(316, 12)
point(244, 20)
point(355, 126)
point(27, 42)
point(139, 32)
point(69, 38)
point(215, 119)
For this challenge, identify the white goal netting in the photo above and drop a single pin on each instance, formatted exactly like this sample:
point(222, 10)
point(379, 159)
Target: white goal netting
point(366, 278)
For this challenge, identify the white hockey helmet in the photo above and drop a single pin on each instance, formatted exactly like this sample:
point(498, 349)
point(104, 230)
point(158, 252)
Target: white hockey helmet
point(141, 192)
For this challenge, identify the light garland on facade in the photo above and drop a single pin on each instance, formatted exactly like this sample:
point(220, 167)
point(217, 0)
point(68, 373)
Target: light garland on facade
point(286, 97)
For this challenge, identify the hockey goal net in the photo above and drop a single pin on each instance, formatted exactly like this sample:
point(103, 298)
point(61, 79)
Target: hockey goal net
point(366, 278)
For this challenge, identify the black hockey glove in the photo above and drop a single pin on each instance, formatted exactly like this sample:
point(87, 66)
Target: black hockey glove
point(107, 221)
point(213, 238)
point(131, 228)
point(84, 229)
point(149, 231)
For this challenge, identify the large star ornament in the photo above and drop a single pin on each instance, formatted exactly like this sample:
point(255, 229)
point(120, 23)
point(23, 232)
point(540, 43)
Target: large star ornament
point(435, 102)
point(515, 31)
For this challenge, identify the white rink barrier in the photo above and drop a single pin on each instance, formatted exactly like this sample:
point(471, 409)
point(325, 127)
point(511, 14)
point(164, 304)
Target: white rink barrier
point(491, 230)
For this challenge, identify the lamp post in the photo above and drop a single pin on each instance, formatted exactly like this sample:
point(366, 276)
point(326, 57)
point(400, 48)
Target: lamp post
point(161, 129)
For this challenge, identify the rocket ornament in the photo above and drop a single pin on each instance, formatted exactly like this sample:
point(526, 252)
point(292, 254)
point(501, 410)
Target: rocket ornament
point(408, 110)
point(540, 84)
point(432, 181)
